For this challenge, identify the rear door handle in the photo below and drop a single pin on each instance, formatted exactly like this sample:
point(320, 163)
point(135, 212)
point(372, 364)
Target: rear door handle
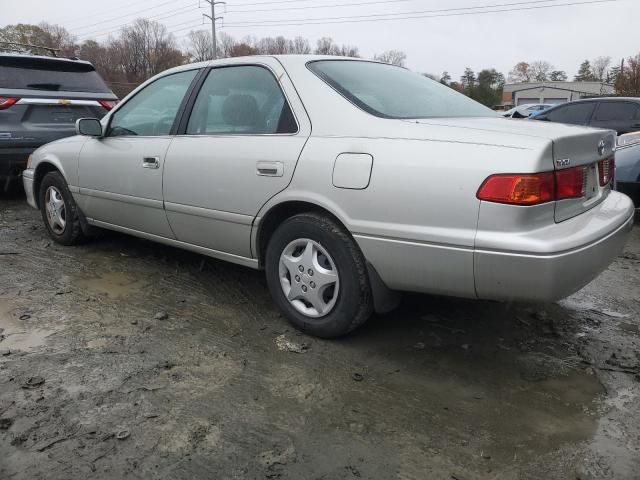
point(270, 169)
point(150, 162)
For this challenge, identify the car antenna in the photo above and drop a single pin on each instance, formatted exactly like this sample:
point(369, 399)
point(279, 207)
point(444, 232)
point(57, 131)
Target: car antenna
point(53, 51)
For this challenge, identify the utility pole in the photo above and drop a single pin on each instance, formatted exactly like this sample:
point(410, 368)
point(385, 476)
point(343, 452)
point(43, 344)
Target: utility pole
point(214, 19)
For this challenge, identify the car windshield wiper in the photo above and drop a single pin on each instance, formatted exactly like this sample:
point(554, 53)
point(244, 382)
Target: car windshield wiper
point(44, 86)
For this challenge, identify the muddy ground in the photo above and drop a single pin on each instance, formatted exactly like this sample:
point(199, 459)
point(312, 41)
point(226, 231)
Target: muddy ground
point(126, 359)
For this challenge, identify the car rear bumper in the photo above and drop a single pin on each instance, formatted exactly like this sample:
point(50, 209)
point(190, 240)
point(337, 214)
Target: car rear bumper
point(27, 181)
point(559, 269)
point(13, 161)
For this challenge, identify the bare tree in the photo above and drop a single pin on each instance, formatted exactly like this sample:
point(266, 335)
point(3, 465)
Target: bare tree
point(146, 48)
point(600, 68)
point(394, 57)
point(225, 44)
point(326, 46)
point(540, 70)
point(629, 79)
point(521, 73)
point(300, 45)
point(200, 46)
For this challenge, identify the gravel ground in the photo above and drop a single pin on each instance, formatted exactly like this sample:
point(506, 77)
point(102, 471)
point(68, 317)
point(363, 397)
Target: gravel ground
point(126, 359)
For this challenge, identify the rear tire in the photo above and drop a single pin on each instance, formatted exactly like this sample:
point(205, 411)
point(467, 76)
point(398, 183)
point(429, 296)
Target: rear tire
point(59, 210)
point(317, 276)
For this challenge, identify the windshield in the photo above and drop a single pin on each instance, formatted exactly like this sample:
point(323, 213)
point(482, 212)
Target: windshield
point(393, 92)
point(44, 74)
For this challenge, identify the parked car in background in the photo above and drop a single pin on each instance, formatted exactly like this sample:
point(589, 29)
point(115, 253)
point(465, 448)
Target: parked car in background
point(402, 184)
point(627, 177)
point(614, 113)
point(526, 110)
point(40, 100)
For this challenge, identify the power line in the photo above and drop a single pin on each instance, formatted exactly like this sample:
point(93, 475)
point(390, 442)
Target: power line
point(335, 5)
point(74, 19)
point(116, 28)
point(410, 16)
point(107, 20)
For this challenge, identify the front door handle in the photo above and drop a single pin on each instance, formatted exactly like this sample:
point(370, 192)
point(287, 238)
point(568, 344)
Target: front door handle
point(150, 162)
point(270, 169)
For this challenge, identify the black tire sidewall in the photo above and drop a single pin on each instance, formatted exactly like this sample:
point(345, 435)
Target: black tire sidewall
point(72, 229)
point(354, 304)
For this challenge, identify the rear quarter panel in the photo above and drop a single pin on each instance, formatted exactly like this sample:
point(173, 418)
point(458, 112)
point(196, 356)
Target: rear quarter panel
point(416, 221)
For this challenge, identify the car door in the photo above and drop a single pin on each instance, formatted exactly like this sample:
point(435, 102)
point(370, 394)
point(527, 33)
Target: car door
point(578, 113)
point(120, 174)
point(237, 147)
point(621, 116)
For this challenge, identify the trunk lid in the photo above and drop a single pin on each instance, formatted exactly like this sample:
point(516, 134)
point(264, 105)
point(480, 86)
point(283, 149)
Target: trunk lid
point(572, 147)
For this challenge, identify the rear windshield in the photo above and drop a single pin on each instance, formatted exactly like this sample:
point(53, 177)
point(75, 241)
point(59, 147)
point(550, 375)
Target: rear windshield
point(43, 74)
point(393, 92)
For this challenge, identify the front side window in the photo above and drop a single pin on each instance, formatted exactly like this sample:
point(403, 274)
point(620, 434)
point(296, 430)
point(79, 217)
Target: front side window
point(388, 91)
point(577, 114)
point(242, 100)
point(152, 111)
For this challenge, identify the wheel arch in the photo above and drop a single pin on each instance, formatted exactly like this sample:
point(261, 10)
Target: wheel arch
point(40, 171)
point(384, 299)
point(276, 214)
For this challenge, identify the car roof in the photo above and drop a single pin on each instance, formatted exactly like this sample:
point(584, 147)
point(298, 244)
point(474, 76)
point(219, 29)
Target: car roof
point(44, 58)
point(608, 99)
point(290, 59)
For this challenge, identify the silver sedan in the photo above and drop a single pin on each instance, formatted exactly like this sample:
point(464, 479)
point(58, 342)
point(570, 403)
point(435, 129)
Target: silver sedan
point(346, 181)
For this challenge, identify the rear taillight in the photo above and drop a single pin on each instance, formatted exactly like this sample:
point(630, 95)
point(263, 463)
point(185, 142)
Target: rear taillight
point(571, 183)
point(534, 188)
point(518, 189)
point(6, 102)
point(606, 169)
point(108, 104)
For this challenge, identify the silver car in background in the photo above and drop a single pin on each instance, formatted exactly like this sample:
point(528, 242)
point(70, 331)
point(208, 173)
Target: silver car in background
point(346, 180)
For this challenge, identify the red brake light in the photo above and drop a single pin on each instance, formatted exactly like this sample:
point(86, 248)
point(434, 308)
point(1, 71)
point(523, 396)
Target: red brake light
point(108, 104)
point(534, 188)
point(570, 183)
point(528, 189)
point(606, 169)
point(6, 102)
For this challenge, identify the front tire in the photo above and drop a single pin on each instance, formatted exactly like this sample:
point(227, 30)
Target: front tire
point(317, 276)
point(59, 210)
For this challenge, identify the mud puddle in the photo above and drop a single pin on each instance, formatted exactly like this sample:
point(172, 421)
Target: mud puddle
point(113, 284)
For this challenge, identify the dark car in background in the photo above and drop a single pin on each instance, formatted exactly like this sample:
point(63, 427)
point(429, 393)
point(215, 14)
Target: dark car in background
point(40, 100)
point(613, 113)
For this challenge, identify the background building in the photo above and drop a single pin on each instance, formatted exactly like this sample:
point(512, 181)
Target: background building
point(515, 94)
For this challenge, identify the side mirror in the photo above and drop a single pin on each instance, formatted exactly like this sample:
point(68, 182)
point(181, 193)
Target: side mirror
point(90, 127)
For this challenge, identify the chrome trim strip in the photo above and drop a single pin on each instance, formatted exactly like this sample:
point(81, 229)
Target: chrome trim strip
point(60, 102)
point(247, 262)
point(209, 213)
point(118, 197)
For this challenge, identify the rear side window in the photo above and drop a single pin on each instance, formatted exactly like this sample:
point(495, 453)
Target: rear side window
point(577, 114)
point(616, 111)
point(43, 74)
point(388, 91)
point(242, 100)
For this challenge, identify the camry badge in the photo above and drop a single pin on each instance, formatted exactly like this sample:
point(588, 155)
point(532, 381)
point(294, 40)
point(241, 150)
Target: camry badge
point(601, 147)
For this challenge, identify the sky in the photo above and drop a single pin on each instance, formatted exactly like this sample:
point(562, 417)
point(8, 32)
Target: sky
point(450, 36)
